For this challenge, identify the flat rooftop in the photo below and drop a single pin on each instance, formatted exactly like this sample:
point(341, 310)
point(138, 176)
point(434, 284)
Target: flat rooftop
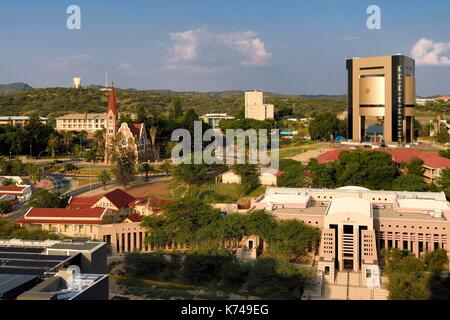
point(29, 261)
point(320, 209)
point(11, 284)
point(84, 246)
point(390, 213)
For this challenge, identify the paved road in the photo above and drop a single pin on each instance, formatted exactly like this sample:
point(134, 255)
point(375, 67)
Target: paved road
point(60, 183)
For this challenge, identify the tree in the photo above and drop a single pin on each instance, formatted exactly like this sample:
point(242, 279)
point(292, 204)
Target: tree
point(99, 137)
point(323, 125)
point(36, 172)
point(165, 167)
point(5, 206)
point(146, 169)
point(443, 136)
point(153, 133)
point(292, 174)
point(409, 182)
point(370, 169)
point(198, 173)
point(48, 199)
point(249, 174)
point(181, 222)
point(104, 178)
point(53, 143)
point(444, 179)
point(292, 239)
point(176, 111)
point(445, 153)
point(415, 167)
point(124, 159)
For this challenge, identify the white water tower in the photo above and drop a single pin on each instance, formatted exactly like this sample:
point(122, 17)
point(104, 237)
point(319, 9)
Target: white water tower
point(77, 82)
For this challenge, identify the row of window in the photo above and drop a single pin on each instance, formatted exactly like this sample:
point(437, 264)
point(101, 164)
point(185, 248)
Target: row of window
point(412, 227)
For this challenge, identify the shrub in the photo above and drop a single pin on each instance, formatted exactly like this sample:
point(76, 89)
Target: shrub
point(144, 264)
point(5, 206)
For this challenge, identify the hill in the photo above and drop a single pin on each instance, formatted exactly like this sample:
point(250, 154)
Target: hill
point(14, 88)
point(53, 102)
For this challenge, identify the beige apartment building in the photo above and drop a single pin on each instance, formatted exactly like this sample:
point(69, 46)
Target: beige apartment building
point(89, 122)
point(255, 108)
point(19, 120)
point(381, 90)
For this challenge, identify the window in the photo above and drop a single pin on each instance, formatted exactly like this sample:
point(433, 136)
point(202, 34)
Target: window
point(368, 273)
point(327, 270)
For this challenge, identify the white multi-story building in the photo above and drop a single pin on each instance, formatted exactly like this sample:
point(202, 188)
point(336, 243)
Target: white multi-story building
point(255, 108)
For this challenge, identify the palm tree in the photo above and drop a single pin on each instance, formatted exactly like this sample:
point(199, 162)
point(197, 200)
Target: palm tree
point(53, 144)
point(99, 137)
point(104, 178)
point(36, 173)
point(153, 133)
point(145, 168)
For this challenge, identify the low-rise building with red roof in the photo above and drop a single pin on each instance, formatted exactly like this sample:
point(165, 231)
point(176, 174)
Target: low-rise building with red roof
point(68, 222)
point(433, 163)
point(19, 193)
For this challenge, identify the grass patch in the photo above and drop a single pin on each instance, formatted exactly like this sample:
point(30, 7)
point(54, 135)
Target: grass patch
point(85, 182)
point(93, 171)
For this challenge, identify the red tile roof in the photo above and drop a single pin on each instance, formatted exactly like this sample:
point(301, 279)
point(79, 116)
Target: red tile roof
point(82, 202)
point(11, 189)
point(430, 159)
point(56, 221)
point(65, 213)
point(135, 217)
point(120, 198)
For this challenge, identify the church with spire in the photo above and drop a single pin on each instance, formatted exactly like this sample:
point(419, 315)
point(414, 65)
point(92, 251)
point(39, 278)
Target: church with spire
point(131, 135)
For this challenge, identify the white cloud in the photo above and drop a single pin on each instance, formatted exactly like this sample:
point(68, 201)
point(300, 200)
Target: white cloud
point(203, 47)
point(429, 53)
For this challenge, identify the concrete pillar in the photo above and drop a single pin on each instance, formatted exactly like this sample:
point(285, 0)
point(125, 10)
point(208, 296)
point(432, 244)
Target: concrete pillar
point(340, 245)
point(114, 243)
point(119, 235)
point(127, 244)
point(355, 248)
point(416, 248)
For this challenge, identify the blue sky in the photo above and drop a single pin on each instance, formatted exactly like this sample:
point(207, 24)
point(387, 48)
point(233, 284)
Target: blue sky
point(296, 47)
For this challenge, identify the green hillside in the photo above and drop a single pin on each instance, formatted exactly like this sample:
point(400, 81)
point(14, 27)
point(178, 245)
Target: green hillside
point(53, 102)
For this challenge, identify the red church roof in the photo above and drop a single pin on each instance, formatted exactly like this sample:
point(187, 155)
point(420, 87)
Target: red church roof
point(112, 101)
point(120, 198)
point(135, 129)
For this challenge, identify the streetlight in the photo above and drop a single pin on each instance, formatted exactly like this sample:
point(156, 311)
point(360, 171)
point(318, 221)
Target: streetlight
point(10, 150)
point(39, 155)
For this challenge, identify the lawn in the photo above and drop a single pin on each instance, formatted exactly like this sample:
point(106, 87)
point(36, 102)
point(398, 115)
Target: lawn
point(85, 182)
point(93, 171)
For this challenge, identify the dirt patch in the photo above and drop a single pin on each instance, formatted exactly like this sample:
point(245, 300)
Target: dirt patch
point(306, 156)
point(158, 188)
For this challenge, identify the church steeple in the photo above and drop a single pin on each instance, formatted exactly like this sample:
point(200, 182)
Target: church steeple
point(112, 106)
point(111, 124)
